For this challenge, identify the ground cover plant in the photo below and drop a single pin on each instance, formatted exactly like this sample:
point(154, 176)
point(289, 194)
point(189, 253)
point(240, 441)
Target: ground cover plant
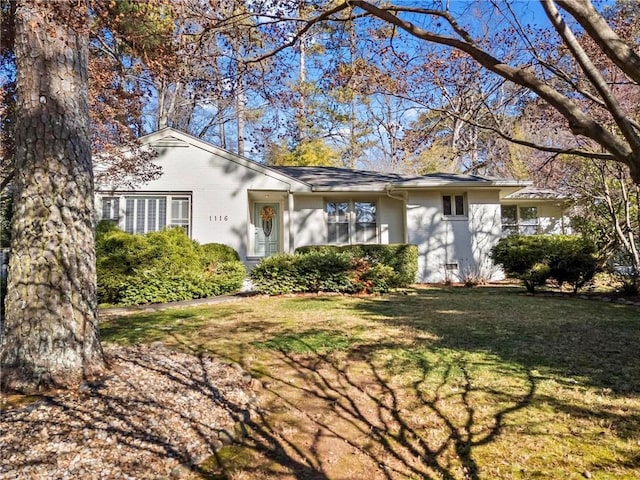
point(434, 383)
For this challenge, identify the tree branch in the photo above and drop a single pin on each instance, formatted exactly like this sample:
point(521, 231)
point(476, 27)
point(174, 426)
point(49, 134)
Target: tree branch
point(592, 73)
point(579, 122)
point(599, 30)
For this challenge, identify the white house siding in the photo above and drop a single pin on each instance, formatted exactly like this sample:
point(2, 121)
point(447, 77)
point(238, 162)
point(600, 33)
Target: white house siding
point(310, 223)
point(552, 220)
point(309, 220)
point(391, 220)
point(449, 248)
point(220, 208)
point(485, 223)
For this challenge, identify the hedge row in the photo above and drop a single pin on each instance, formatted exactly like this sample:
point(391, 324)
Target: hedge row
point(162, 266)
point(535, 259)
point(402, 258)
point(352, 269)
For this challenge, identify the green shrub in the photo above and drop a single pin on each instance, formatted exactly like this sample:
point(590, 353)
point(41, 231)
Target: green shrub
point(371, 278)
point(225, 277)
point(217, 252)
point(525, 258)
point(402, 258)
point(161, 266)
point(573, 260)
point(322, 269)
point(323, 272)
point(536, 258)
point(276, 275)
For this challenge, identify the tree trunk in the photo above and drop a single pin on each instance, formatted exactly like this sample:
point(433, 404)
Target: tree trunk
point(241, 111)
point(50, 336)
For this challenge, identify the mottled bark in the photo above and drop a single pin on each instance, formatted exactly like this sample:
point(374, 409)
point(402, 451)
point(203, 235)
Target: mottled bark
point(49, 335)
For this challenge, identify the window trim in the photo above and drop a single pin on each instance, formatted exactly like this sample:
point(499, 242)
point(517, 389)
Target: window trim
point(453, 205)
point(351, 220)
point(518, 226)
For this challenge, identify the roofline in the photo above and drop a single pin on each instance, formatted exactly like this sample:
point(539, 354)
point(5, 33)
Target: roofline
point(227, 154)
point(462, 184)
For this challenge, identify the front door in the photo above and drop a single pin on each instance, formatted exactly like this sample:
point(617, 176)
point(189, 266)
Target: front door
point(267, 223)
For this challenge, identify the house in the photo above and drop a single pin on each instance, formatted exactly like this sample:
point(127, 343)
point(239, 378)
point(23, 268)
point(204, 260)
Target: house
point(217, 196)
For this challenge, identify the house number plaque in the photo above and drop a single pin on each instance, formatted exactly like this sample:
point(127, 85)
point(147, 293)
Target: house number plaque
point(218, 218)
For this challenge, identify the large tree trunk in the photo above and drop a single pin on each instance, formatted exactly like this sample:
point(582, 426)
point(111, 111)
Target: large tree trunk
point(49, 337)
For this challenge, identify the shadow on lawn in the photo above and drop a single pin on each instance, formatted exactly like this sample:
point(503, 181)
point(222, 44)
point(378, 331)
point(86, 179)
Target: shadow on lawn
point(430, 423)
point(581, 341)
point(410, 431)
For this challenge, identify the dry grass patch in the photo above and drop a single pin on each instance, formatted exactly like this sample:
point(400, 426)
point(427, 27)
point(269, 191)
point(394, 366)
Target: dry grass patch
point(442, 383)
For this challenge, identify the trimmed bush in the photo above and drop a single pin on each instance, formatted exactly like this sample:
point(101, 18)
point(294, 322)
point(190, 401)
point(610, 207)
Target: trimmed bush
point(217, 252)
point(324, 272)
point(573, 260)
point(162, 266)
point(277, 275)
point(401, 258)
point(536, 258)
point(327, 268)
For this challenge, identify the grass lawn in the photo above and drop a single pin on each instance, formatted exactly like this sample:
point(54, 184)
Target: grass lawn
point(440, 383)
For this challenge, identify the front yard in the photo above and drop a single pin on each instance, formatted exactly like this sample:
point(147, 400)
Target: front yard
point(440, 383)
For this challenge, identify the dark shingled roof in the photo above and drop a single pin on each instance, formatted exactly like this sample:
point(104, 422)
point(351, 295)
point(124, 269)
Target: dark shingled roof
point(535, 193)
point(335, 177)
point(338, 177)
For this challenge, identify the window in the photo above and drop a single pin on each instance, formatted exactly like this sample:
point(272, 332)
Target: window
point(338, 222)
point(528, 220)
point(145, 214)
point(180, 213)
point(351, 222)
point(519, 220)
point(509, 215)
point(148, 213)
point(453, 205)
point(366, 228)
point(110, 208)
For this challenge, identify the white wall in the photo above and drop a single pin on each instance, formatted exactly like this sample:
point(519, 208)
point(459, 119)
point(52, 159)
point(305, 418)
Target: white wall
point(552, 220)
point(443, 241)
point(218, 186)
point(310, 221)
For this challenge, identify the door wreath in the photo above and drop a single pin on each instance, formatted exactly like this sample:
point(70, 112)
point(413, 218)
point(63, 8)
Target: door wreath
point(266, 214)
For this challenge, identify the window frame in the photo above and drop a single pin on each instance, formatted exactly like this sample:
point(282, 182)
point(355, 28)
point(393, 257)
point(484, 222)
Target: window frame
point(135, 217)
point(179, 222)
point(351, 221)
point(453, 205)
point(114, 208)
point(518, 227)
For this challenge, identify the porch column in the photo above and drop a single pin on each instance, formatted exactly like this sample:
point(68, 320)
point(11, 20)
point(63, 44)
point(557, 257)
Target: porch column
point(290, 221)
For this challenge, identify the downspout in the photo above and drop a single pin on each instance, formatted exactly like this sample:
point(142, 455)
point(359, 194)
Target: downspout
point(403, 199)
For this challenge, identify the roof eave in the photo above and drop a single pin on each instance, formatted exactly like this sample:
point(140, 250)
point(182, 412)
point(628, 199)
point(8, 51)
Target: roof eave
point(349, 188)
point(462, 184)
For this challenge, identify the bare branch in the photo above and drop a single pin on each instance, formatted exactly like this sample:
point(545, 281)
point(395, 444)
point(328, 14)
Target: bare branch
point(592, 73)
point(599, 30)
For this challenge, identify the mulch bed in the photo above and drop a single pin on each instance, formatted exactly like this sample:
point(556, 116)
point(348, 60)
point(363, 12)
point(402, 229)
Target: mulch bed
point(157, 414)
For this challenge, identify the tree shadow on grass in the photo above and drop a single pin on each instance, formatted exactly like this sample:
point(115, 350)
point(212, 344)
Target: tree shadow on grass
point(590, 342)
point(428, 428)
